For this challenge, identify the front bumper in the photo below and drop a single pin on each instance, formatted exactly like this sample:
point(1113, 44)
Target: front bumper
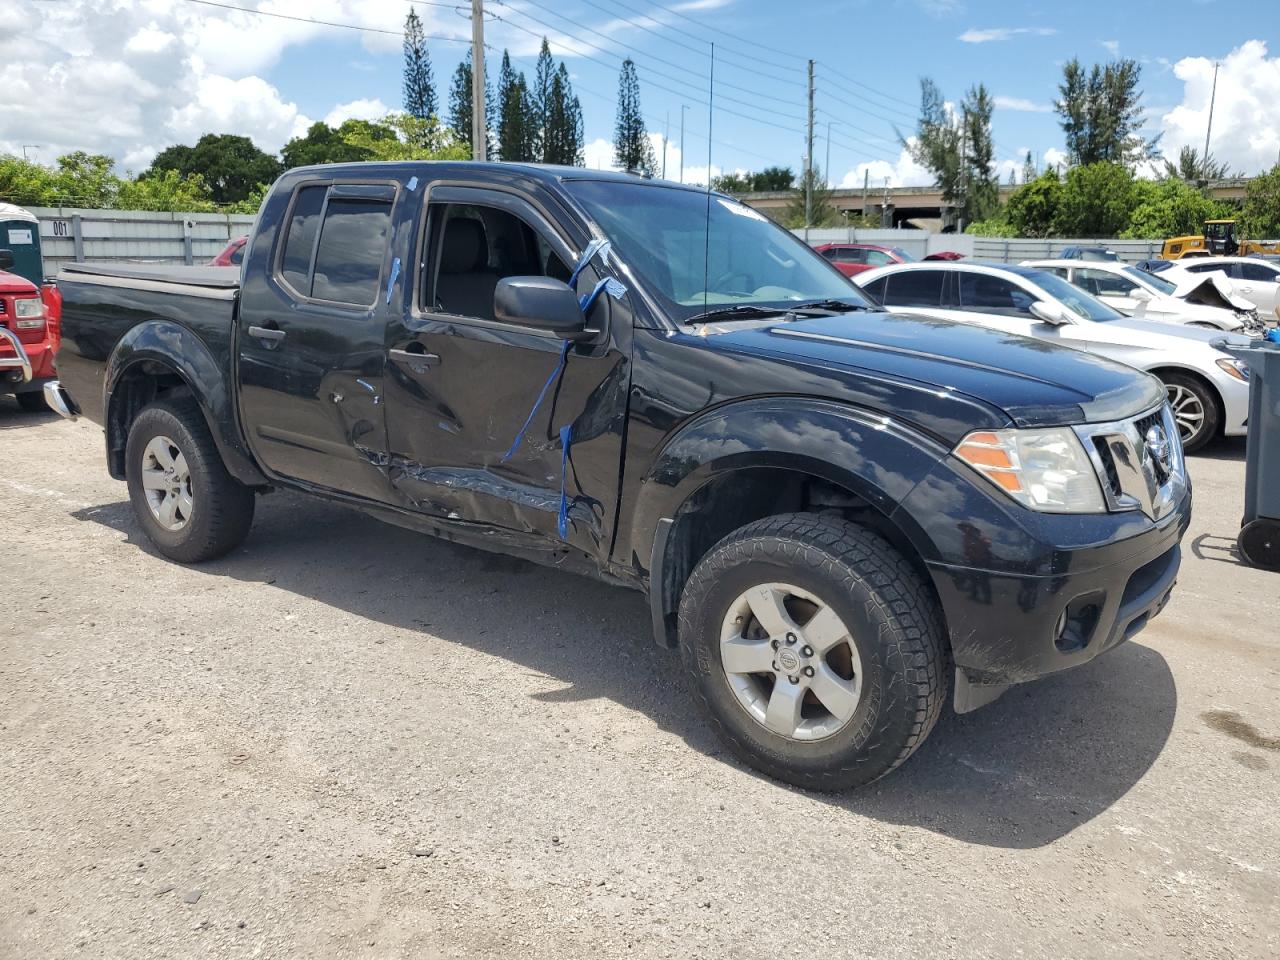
point(15, 371)
point(1009, 627)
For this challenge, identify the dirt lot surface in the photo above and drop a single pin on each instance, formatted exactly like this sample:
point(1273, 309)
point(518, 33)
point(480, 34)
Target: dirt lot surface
point(347, 740)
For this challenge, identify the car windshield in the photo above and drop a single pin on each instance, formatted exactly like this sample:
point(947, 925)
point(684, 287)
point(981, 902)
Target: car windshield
point(902, 255)
point(699, 253)
point(1072, 297)
point(1150, 280)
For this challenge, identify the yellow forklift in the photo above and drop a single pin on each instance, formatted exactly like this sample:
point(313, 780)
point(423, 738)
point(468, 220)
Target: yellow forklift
point(1219, 240)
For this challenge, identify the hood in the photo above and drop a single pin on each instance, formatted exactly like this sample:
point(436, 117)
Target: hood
point(1211, 290)
point(1171, 306)
point(13, 284)
point(1161, 336)
point(1033, 382)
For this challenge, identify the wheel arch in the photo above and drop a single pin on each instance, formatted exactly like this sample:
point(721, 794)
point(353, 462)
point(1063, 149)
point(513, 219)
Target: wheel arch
point(162, 358)
point(1214, 393)
point(784, 457)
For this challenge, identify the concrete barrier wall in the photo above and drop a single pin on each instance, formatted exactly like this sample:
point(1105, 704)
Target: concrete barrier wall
point(919, 243)
point(69, 234)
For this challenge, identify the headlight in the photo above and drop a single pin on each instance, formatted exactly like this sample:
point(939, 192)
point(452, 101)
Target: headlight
point(29, 312)
point(1234, 368)
point(1045, 470)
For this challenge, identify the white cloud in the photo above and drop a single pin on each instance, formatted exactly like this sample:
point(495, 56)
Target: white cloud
point(905, 172)
point(1113, 46)
point(974, 35)
point(1246, 114)
point(1020, 104)
point(364, 109)
point(599, 156)
point(1053, 157)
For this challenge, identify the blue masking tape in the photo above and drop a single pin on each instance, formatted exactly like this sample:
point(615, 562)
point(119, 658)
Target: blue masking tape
point(594, 248)
point(515, 444)
point(391, 280)
point(562, 522)
point(412, 184)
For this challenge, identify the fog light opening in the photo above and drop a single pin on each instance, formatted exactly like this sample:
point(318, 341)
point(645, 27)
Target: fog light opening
point(1077, 623)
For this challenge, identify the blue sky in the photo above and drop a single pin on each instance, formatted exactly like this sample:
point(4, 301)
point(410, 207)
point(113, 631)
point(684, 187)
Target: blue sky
point(174, 68)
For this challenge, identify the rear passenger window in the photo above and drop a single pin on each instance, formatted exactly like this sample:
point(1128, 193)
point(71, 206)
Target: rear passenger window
point(916, 288)
point(876, 289)
point(353, 243)
point(1259, 273)
point(300, 240)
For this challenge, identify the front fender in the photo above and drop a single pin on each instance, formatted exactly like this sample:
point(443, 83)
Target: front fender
point(171, 345)
point(871, 455)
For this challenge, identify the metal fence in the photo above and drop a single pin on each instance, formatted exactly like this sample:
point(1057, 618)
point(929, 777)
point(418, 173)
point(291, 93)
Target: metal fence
point(68, 234)
point(920, 243)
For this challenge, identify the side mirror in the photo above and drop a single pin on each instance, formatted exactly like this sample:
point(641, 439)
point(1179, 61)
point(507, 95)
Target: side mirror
point(1048, 313)
point(1141, 295)
point(6, 260)
point(543, 303)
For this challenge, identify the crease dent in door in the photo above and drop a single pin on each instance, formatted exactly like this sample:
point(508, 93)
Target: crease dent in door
point(485, 494)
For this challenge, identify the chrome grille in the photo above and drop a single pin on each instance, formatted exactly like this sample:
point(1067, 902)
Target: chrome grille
point(1138, 461)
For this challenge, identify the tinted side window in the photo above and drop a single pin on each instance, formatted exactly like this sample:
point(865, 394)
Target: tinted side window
point(1101, 283)
point(830, 253)
point(877, 288)
point(980, 292)
point(353, 244)
point(1203, 267)
point(878, 258)
point(237, 255)
point(916, 288)
point(300, 239)
point(1256, 271)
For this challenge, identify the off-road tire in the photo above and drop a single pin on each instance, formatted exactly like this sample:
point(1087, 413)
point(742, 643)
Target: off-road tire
point(892, 615)
point(32, 401)
point(1211, 425)
point(222, 509)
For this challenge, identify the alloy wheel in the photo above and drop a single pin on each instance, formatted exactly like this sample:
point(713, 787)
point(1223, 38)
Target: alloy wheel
point(167, 483)
point(1188, 411)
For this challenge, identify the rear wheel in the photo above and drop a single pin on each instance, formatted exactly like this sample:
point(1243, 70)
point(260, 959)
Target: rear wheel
point(187, 503)
point(815, 648)
point(32, 401)
point(1195, 409)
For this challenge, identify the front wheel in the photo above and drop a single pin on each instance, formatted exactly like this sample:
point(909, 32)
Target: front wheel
point(187, 503)
point(815, 648)
point(1195, 410)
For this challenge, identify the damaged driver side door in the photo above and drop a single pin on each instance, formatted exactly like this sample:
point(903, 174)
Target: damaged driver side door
point(479, 410)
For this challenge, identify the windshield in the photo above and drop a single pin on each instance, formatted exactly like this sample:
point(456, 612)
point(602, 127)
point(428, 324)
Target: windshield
point(662, 234)
point(1073, 298)
point(1150, 280)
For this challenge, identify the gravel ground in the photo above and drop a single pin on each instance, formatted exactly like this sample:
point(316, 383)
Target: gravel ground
point(347, 740)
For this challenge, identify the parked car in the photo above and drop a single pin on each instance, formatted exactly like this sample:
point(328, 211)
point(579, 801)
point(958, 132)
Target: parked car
point(1208, 389)
point(1253, 278)
point(27, 338)
point(945, 255)
point(1156, 266)
point(853, 258)
point(830, 508)
point(232, 255)
point(1095, 254)
point(1145, 296)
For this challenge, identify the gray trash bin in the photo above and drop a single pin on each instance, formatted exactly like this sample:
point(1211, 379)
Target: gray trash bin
point(1259, 539)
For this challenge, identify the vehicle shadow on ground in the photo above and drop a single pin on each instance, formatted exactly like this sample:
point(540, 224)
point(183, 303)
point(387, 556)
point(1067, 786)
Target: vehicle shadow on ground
point(13, 417)
point(1021, 773)
point(1224, 448)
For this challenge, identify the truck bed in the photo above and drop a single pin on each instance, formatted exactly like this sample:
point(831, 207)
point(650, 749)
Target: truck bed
point(214, 278)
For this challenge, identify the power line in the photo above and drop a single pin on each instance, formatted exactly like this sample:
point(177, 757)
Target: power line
point(328, 23)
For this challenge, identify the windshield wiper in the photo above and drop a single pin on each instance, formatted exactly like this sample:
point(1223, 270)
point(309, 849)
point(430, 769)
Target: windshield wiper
point(829, 306)
point(741, 311)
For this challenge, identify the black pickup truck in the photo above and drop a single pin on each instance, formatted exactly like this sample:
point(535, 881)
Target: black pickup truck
point(841, 517)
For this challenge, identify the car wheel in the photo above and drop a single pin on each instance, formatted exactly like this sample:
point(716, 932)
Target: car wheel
point(32, 401)
point(1259, 543)
point(1195, 409)
point(815, 649)
point(187, 503)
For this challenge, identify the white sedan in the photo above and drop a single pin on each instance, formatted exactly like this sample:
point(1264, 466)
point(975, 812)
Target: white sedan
point(1208, 389)
point(1139, 294)
point(1252, 278)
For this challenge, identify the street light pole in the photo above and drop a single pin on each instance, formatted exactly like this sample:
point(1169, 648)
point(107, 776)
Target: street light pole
point(1213, 95)
point(683, 108)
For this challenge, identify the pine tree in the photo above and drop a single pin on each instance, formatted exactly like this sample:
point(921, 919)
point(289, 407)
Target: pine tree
point(512, 127)
point(562, 138)
point(631, 147)
point(1028, 169)
point(1101, 114)
point(419, 91)
point(982, 192)
point(540, 99)
point(460, 101)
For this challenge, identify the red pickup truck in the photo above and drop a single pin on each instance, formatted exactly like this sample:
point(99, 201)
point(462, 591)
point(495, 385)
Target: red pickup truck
point(28, 336)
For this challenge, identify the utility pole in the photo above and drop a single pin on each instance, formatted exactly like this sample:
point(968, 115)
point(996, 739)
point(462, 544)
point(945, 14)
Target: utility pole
point(479, 131)
point(826, 171)
point(964, 168)
point(808, 164)
point(1204, 161)
point(683, 108)
point(665, 130)
point(866, 188)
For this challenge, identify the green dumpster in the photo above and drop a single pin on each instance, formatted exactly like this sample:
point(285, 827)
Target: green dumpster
point(20, 235)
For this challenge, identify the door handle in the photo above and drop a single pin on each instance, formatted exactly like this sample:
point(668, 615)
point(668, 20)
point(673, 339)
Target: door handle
point(269, 334)
point(417, 360)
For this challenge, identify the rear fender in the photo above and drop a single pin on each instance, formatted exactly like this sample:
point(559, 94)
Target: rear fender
point(154, 348)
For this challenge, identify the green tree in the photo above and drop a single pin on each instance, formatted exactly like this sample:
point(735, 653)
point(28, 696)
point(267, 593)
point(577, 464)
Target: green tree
point(958, 151)
point(1193, 168)
point(1097, 201)
point(516, 139)
point(1171, 208)
point(1032, 210)
point(1101, 113)
point(1260, 219)
point(773, 178)
point(632, 149)
point(822, 212)
point(982, 183)
point(1028, 168)
point(732, 183)
point(415, 138)
point(563, 136)
point(460, 104)
point(231, 166)
point(321, 144)
point(540, 99)
point(936, 145)
point(82, 179)
point(418, 87)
